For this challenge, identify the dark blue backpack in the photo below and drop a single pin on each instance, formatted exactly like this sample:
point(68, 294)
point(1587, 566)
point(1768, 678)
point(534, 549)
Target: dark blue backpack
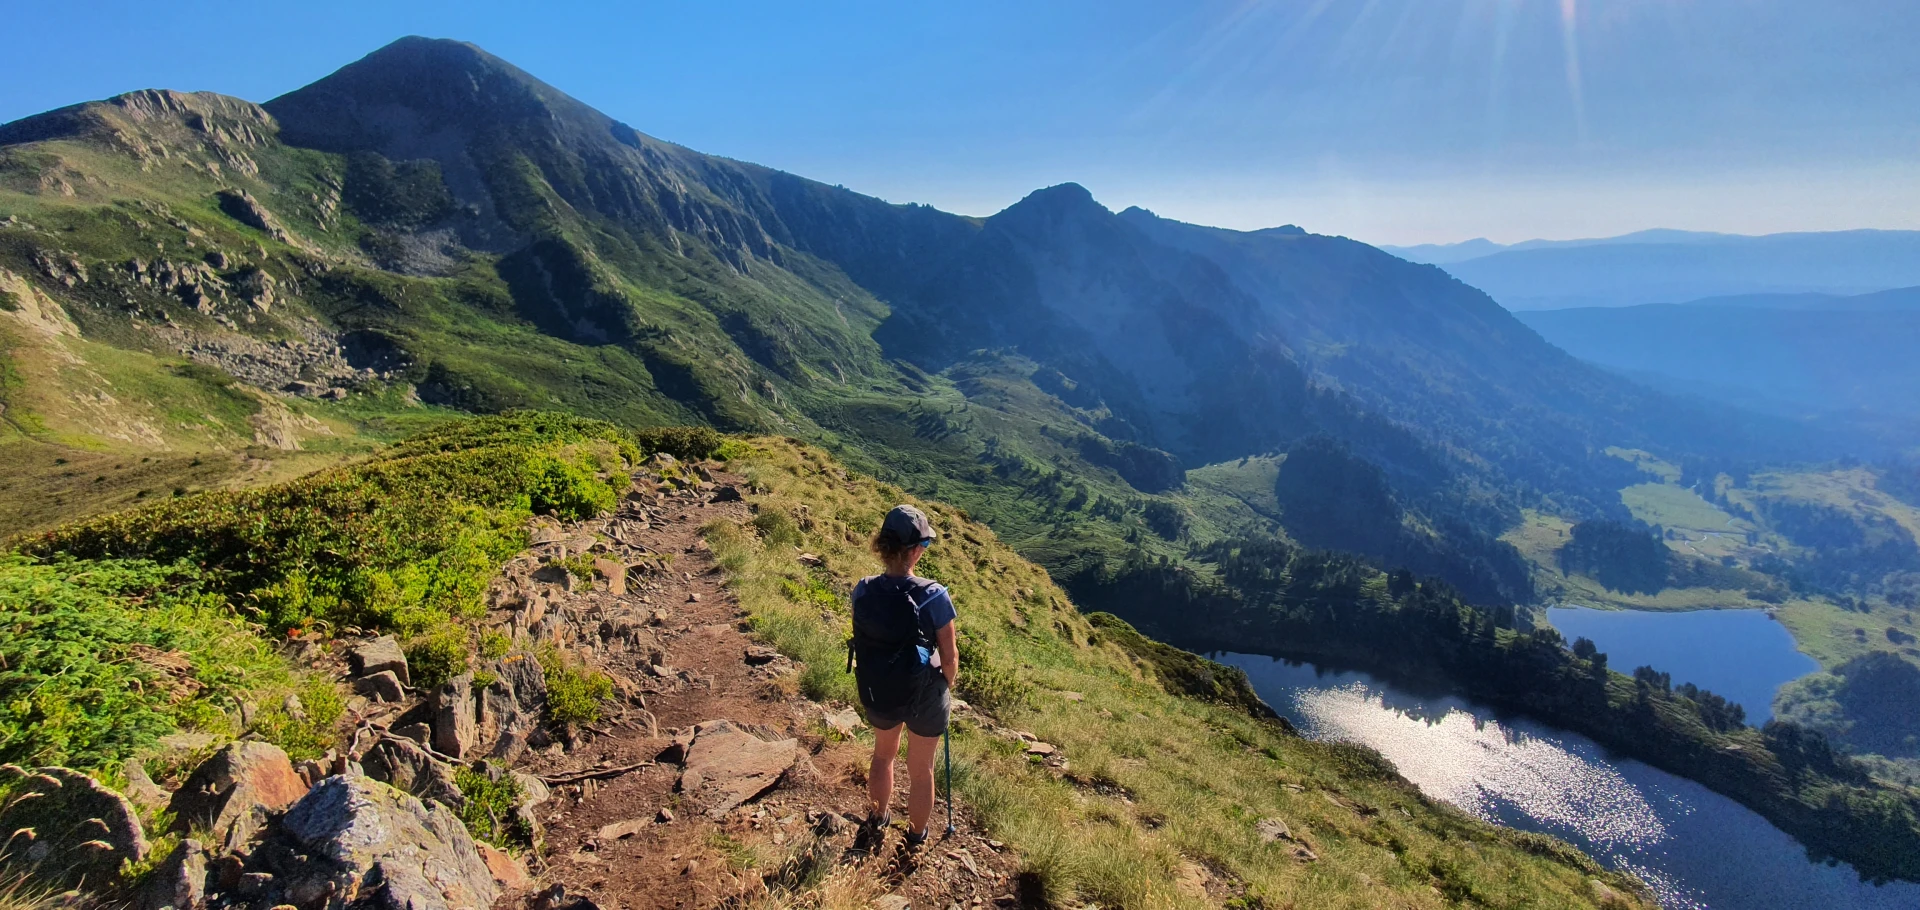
point(884, 653)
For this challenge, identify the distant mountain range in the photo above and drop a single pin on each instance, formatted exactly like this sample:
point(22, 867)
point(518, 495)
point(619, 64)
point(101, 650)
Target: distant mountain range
point(1796, 354)
point(1666, 266)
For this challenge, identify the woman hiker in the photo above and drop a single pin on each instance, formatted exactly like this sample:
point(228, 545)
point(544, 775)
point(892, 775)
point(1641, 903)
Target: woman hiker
point(905, 663)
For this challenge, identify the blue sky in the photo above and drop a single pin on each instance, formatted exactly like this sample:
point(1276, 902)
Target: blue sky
point(1395, 121)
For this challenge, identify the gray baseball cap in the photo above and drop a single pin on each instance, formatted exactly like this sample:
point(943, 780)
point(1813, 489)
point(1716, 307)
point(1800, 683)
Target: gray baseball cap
point(907, 525)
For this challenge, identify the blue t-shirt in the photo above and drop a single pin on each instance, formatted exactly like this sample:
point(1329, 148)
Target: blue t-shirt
point(933, 606)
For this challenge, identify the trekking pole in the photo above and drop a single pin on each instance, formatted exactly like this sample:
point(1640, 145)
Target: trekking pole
point(949, 743)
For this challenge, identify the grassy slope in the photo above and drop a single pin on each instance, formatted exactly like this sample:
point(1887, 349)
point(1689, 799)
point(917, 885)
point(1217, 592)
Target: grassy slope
point(1157, 784)
point(1154, 781)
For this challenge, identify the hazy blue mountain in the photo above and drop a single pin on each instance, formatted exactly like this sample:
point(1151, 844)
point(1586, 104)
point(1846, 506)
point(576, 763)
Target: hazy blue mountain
point(1895, 299)
point(1449, 253)
point(1438, 355)
point(1784, 353)
point(1674, 266)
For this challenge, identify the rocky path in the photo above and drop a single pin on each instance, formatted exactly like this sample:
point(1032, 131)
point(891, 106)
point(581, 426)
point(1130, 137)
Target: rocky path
point(710, 782)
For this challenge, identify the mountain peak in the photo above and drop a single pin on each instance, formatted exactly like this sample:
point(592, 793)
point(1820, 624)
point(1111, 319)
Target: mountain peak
point(416, 87)
point(1062, 200)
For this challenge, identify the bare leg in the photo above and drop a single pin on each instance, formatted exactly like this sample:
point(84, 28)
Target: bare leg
point(921, 751)
point(886, 745)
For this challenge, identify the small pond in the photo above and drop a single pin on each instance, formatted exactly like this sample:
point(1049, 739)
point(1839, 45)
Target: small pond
point(1742, 655)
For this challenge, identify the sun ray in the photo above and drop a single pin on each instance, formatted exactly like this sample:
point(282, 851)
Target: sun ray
point(1570, 45)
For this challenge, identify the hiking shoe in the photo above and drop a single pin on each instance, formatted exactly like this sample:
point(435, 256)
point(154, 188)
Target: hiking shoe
point(879, 822)
point(915, 840)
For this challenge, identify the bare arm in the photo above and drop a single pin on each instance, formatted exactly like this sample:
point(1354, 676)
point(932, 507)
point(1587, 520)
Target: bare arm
point(949, 652)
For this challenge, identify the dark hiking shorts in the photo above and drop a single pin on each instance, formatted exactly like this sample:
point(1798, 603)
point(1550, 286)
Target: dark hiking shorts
point(926, 715)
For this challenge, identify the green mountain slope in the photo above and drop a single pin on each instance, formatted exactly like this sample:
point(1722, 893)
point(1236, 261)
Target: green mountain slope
point(433, 220)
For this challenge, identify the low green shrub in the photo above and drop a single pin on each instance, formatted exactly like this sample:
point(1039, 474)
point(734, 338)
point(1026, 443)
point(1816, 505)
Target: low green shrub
point(490, 797)
point(984, 683)
point(685, 443)
point(579, 565)
point(574, 694)
point(99, 659)
point(494, 644)
point(434, 658)
point(312, 729)
point(570, 491)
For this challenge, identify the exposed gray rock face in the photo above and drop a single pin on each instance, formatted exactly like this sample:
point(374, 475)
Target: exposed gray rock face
point(727, 766)
point(402, 764)
point(382, 686)
point(180, 881)
point(513, 709)
point(141, 789)
point(236, 792)
point(368, 844)
point(242, 207)
point(65, 830)
point(456, 729)
point(378, 655)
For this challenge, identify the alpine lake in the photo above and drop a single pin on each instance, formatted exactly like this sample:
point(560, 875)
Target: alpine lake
point(1695, 848)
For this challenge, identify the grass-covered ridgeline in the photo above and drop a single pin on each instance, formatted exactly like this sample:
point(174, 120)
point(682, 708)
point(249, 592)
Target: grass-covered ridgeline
point(404, 542)
point(1171, 763)
point(1266, 597)
point(124, 628)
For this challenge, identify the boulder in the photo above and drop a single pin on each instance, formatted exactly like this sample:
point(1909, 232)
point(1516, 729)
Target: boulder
point(613, 573)
point(403, 764)
point(65, 830)
point(512, 710)
point(242, 207)
point(555, 897)
point(382, 686)
point(380, 654)
point(235, 792)
point(727, 766)
point(614, 831)
point(141, 789)
point(368, 844)
point(508, 872)
point(1273, 830)
point(180, 881)
point(455, 726)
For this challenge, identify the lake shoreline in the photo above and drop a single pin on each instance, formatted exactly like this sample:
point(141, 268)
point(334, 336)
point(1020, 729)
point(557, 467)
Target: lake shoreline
point(1726, 763)
point(1703, 849)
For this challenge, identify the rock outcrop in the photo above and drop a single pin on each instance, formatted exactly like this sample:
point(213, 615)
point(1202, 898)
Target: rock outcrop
point(180, 881)
point(382, 654)
point(403, 764)
point(368, 844)
point(236, 792)
point(726, 766)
